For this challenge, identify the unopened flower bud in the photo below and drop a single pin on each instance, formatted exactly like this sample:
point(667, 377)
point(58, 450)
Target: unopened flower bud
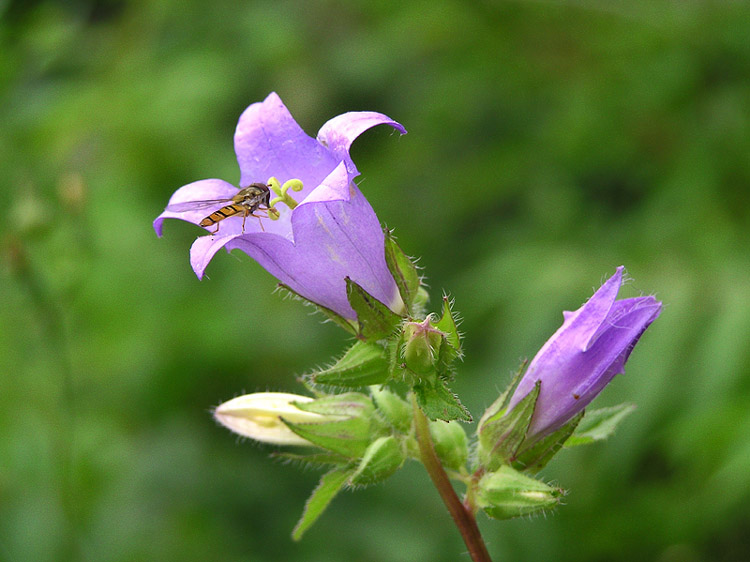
point(258, 416)
point(451, 444)
point(422, 346)
point(382, 458)
point(507, 493)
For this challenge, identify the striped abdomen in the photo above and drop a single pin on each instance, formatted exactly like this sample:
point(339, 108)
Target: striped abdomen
point(223, 213)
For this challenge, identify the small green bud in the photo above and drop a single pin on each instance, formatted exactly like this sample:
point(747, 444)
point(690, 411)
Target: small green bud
point(451, 444)
point(421, 346)
point(382, 458)
point(394, 409)
point(507, 493)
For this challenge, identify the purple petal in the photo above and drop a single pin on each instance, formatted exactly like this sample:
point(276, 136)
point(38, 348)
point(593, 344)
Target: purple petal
point(339, 133)
point(591, 316)
point(577, 332)
point(624, 332)
point(204, 248)
point(269, 142)
point(197, 191)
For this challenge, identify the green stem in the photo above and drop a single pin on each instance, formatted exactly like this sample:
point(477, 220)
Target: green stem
point(62, 419)
point(462, 517)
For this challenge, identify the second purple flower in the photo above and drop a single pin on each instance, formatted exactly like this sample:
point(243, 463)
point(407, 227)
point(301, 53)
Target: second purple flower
point(584, 355)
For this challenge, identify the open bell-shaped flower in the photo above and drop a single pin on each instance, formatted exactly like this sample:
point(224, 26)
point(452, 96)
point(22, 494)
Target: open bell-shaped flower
point(312, 240)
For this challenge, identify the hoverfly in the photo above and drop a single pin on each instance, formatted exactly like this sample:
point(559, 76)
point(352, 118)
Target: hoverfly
point(247, 201)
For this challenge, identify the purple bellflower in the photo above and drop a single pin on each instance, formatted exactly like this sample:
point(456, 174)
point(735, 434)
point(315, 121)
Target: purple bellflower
point(310, 244)
point(584, 355)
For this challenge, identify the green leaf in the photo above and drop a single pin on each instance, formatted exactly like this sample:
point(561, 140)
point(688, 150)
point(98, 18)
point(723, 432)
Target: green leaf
point(376, 320)
point(598, 425)
point(402, 269)
point(535, 458)
point(363, 364)
point(333, 316)
point(439, 403)
point(502, 433)
point(383, 457)
point(330, 485)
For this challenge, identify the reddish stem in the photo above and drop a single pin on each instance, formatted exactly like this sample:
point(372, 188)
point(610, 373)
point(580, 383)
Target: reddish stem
point(462, 515)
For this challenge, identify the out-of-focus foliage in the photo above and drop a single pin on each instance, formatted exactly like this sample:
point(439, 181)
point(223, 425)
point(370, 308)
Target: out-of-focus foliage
point(548, 143)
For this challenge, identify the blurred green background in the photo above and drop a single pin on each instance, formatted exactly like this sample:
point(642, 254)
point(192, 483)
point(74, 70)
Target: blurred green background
point(548, 143)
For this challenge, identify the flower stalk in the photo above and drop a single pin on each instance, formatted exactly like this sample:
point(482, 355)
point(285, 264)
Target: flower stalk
point(462, 517)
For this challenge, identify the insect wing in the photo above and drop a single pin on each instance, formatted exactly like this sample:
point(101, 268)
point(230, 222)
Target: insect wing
point(197, 205)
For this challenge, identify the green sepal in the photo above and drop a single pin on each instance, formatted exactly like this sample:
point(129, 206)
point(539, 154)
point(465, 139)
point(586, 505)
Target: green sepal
point(451, 444)
point(383, 457)
point(447, 325)
point(419, 306)
point(535, 457)
point(394, 409)
point(348, 436)
point(315, 460)
point(335, 317)
point(598, 425)
point(502, 401)
point(502, 432)
point(507, 493)
point(376, 320)
point(330, 484)
point(363, 364)
point(403, 270)
point(439, 403)
point(349, 404)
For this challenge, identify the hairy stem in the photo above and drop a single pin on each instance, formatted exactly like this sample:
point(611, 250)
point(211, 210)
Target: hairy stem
point(463, 517)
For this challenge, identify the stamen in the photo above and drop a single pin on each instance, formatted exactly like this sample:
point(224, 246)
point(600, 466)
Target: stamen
point(283, 196)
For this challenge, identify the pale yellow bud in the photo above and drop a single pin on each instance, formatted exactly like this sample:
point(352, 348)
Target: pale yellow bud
point(258, 416)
